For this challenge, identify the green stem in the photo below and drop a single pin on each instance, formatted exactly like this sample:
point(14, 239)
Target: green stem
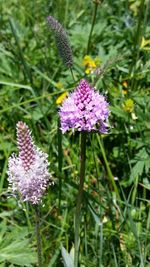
point(26, 211)
point(60, 156)
point(110, 175)
point(72, 75)
point(136, 47)
point(38, 236)
point(92, 26)
point(79, 198)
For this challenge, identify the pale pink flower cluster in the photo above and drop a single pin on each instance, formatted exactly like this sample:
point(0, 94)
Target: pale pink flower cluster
point(28, 173)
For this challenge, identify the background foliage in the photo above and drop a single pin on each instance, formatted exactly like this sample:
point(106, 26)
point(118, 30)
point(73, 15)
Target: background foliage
point(115, 232)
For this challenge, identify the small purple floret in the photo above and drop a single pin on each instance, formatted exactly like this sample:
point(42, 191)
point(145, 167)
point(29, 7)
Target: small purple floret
point(84, 110)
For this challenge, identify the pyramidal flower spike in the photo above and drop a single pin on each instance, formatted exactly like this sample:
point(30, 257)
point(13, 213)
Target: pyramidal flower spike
point(28, 173)
point(84, 110)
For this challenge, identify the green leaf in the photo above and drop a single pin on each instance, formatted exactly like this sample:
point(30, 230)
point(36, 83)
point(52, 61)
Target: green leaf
point(16, 247)
point(119, 112)
point(137, 169)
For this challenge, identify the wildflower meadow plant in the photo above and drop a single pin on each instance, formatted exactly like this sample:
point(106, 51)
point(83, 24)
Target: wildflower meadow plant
point(28, 175)
point(90, 64)
point(62, 41)
point(85, 110)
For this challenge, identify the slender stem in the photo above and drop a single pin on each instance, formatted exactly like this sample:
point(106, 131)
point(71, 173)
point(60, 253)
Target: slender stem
point(72, 74)
point(60, 156)
point(110, 175)
point(101, 244)
point(38, 236)
point(26, 211)
point(136, 47)
point(92, 26)
point(79, 198)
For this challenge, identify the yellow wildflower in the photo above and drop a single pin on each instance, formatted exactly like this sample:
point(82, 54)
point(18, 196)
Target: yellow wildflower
point(90, 64)
point(61, 98)
point(128, 105)
point(144, 44)
point(125, 84)
point(88, 60)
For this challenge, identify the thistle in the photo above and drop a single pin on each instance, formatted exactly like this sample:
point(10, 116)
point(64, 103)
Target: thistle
point(28, 173)
point(62, 41)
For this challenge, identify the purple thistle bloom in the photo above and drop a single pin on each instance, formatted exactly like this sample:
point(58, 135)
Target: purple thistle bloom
point(28, 173)
point(84, 110)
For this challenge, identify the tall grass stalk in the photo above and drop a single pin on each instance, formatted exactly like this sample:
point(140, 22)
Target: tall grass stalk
point(79, 198)
point(110, 175)
point(38, 236)
point(26, 212)
point(101, 244)
point(72, 74)
point(136, 46)
point(96, 3)
point(60, 156)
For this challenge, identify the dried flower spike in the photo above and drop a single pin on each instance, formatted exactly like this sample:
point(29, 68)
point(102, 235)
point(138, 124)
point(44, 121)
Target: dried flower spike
point(28, 173)
point(62, 41)
point(84, 110)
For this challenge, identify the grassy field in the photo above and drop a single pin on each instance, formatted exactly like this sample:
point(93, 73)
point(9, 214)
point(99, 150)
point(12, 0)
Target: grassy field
point(110, 42)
